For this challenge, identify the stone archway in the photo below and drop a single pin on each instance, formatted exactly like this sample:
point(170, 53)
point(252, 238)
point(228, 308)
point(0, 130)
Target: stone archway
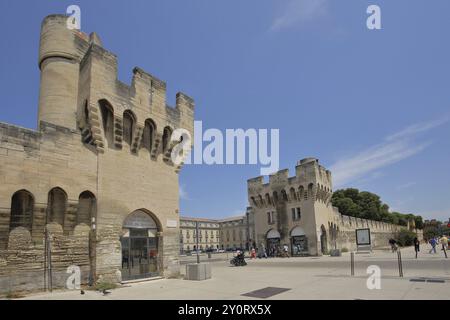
point(141, 246)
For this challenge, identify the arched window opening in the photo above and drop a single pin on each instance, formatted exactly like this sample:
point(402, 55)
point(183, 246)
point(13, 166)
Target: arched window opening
point(107, 113)
point(148, 135)
point(284, 195)
point(275, 197)
point(87, 208)
point(302, 194)
point(261, 201)
point(293, 194)
point(22, 204)
point(268, 202)
point(310, 189)
point(166, 138)
point(57, 204)
point(128, 127)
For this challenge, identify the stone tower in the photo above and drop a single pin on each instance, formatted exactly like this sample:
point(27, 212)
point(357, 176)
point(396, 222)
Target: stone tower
point(291, 205)
point(100, 159)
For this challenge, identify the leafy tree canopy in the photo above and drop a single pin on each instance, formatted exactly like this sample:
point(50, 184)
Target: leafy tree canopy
point(367, 205)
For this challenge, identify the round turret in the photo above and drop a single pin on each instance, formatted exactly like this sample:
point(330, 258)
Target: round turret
point(60, 52)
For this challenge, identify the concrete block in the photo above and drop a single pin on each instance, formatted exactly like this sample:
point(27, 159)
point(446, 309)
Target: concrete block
point(198, 272)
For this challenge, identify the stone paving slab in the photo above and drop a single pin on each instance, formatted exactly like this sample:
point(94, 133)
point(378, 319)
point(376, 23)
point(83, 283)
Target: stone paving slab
point(306, 278)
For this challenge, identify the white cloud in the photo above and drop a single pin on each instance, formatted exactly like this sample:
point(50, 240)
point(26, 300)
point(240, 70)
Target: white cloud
point(299, 12)
point(418, 128)
point(394, 148)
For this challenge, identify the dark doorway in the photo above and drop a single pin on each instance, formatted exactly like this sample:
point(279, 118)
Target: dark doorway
point(299, 246)
point(273, 245)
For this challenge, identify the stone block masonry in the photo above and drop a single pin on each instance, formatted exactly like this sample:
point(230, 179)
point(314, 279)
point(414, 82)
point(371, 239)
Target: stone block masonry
point(297, 211)
point(98, 158)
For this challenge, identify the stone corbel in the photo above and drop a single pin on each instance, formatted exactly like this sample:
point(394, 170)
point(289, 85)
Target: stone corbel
point(137, 134)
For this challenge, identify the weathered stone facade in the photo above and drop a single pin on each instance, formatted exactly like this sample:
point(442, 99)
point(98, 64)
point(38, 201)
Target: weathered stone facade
point(101, 152)
point(297, 211)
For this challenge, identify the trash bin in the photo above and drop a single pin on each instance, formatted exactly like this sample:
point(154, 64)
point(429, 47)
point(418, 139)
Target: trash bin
point(209, 255)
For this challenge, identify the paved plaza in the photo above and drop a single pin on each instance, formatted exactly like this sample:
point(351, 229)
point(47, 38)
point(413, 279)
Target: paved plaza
point(326, 277)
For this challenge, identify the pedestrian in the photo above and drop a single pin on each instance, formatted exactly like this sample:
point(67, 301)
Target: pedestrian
point(433, 243)
point(416, 245)
point(253, 255)
point(263, 251)
point(286, 250)
point(444, 242)
point(393, 244)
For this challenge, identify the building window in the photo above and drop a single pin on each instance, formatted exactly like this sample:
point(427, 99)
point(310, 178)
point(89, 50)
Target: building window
point(296, 214)
point(149, 135)
point(167, 133)
point(57, 204)
point(107, 113)
point(270, 218)
point(129, 121)
point(87, 208)
point(22, 205)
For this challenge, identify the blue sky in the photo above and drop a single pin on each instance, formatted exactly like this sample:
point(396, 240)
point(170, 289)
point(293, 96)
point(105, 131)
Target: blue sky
point(371, 105)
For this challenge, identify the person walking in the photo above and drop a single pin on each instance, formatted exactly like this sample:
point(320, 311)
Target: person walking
point(393, 244)
point(416, 245)
point(286, 250)
point(433, 243)
point(263, 251)
point(444, 242)
point(253, 254)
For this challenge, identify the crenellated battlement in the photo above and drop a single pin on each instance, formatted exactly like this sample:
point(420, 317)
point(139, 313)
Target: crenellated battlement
point(109, 113)
point(311, 181)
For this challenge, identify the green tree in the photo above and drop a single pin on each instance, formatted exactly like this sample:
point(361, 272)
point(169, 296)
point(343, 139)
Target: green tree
point(418, 220)
point(405, 237)
point(367, 205)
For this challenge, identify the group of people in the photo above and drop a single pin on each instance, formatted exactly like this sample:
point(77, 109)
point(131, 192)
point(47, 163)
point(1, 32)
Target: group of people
point(435, 241)
point(272, 251)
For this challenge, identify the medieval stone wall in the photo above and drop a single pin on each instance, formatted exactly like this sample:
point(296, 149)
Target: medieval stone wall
point(96, 136)
point(23, 263)
point(309, 192)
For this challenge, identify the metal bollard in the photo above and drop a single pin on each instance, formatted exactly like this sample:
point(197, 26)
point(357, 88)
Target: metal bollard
point(352, 263)
point(400, 264)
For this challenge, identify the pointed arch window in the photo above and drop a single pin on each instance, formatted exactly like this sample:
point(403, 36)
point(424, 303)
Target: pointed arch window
point(22, 205)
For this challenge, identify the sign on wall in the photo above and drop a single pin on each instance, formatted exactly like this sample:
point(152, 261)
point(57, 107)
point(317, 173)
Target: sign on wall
point(363, 237)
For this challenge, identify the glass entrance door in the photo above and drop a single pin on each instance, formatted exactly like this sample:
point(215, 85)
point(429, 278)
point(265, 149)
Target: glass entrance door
point(273, 245)
point(299, 246)
point(139, 256)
